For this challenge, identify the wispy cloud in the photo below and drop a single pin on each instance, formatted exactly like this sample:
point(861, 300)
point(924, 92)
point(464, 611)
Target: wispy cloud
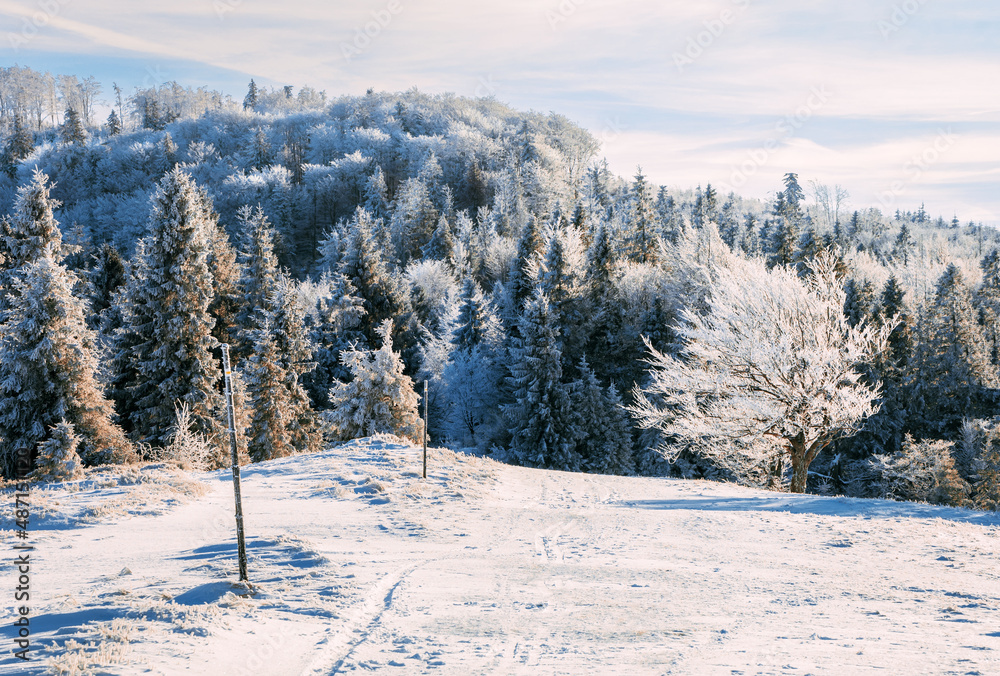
point(896, 70)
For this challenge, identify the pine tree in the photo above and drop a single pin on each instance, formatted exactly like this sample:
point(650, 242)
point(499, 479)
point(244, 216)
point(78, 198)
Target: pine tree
point(106, 277)
point(645, 244)
point(250, 100)
point(164, 351)
point(30, 233)
point(903, 245)
point(952, 364)
point(476, 317)
point(273, 336)
point(334, 328)
point(561, 279)
point(114, 124)
point(522, 276)
point(48, 366)
point(57, 457)
point(19, 146)
point(605, 445)
point(784, 243)
point(383, 292)
point(544, 425)
point(859, 303)
point(441, 246)
point(260, 152)
point(377, 195)
point(793, 196)
point(72, 131)
point(379, 399)
point(988, 303)
point(269, 435)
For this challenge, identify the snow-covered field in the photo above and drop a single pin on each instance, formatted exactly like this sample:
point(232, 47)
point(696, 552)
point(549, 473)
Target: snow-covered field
point(362, 566)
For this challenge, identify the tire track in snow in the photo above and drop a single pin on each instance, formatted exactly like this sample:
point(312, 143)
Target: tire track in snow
point(361, 619)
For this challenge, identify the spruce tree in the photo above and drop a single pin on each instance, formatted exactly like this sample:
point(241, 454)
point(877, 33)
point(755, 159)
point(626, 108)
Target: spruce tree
point(164, 351)
point(645, 241)
point(379, 399)
point(383, 292)
point(952, 365)
point(334, 326)
point(72, 131)
point(57, 457)
point(273, 336)
point(605, 445)
point(20, 144)
point(544, 425)
point(114, 124)
point(48, 366)
point(250, 100)
point(476, 317)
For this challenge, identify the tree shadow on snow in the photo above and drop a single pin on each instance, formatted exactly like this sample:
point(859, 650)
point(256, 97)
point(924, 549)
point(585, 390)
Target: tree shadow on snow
point(813, 504)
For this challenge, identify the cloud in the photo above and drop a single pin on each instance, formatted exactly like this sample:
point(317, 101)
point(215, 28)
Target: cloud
point(895, 71)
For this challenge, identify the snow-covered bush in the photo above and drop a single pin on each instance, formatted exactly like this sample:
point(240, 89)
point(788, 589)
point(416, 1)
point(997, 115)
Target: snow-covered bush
point(188, 449)
point(922, 471)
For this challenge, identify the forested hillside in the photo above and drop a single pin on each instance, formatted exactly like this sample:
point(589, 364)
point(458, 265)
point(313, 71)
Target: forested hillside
point(350, 248)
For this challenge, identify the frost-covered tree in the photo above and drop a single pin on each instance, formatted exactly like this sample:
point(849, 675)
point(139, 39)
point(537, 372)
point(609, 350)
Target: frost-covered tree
point(605, 444)
point(72, 131)
point(475, 373)
point(923, 471)
point(114, 124)
point(543, 421)
point(771, 366)
point(48, 367)
point(334, 326)
point(253, 94)
point(645, 240)
point(382, 290)
point(269, 436)
point(952, 366)
point(379, 399)
point(57, 457)
point(164, 352)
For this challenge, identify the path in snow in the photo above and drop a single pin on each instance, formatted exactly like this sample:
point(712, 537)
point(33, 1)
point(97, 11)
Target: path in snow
point(483, 568)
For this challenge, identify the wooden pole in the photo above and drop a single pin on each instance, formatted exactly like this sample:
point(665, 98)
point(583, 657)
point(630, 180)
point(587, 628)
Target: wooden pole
point(231, 417)
point(425, 429)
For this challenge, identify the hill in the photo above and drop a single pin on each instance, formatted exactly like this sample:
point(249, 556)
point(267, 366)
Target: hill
point(360, 565)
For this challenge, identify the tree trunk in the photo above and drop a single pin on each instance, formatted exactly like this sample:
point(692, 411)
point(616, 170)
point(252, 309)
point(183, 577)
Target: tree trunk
point(800, 463)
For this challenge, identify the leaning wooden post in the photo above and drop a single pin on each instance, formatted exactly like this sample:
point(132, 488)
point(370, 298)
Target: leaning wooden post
point(231, 416)
point(425, 429)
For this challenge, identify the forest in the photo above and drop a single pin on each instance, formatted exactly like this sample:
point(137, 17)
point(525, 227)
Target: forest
point(350, 249)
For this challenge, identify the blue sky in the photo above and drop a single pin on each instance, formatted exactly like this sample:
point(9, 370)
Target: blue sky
point(896, 101)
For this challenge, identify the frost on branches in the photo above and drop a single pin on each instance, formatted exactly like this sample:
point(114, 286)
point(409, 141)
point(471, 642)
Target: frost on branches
point(380, 398)
point(768, 373)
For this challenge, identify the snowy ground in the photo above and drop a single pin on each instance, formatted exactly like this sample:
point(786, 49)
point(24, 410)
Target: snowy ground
point(362, 566)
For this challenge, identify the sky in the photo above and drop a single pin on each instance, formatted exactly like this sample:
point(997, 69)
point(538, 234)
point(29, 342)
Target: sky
point(895, 101)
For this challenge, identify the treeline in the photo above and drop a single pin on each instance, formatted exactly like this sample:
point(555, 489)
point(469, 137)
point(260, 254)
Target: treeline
point(349, 248)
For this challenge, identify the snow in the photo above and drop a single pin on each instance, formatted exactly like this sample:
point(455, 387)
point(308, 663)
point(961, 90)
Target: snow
point(360, 565)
